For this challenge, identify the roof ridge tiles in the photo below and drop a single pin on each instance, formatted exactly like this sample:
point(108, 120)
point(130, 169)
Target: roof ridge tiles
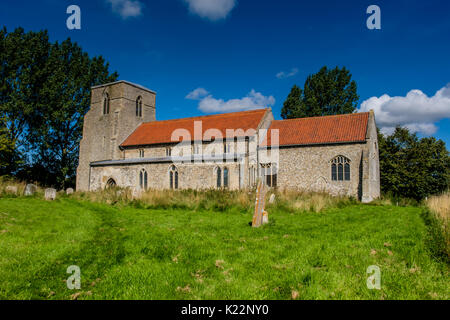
point(322, 117)
point(228, 114)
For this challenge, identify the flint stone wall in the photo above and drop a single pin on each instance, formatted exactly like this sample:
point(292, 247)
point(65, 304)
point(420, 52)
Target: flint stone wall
point(190, 175)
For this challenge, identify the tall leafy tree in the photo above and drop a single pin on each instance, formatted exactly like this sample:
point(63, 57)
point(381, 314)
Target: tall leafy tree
point(22, 73)
point(293, 106)
point(44, 95)
point(8, 157)
point(411, 167)
point(328, 92)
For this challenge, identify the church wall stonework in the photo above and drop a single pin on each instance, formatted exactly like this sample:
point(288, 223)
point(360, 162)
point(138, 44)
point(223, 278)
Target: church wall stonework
point(190, 175)
point(309, 169)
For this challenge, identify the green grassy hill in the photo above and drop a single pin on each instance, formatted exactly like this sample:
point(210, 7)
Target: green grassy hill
point(129, 253)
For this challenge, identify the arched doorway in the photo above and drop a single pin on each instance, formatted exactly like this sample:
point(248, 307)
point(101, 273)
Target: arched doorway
point(111, 183)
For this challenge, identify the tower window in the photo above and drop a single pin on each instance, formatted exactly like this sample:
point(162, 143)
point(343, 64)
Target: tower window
point(139, 107)
point(141, 153)
point(106, 103)
point(168, 152)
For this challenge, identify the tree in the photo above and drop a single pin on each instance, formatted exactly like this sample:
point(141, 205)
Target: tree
point(411, 167)
point(44, 95)
point(292, 107)
point(328, 92)
point(22, 74)
point(7, 149)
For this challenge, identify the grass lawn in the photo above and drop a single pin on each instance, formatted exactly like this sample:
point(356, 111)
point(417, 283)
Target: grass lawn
point(129, 253)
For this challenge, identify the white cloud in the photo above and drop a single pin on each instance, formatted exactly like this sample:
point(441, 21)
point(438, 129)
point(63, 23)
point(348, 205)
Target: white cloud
point(284, 75)
point(416, 111)
point(209, 104)
point(127, 8)
point(197, 94)
point(211, 9)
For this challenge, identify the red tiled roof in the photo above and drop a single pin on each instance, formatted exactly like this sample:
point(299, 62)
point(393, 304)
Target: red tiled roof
point(320, 130)
point(157, 132)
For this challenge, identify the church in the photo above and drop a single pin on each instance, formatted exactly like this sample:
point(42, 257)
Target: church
point(124, 145)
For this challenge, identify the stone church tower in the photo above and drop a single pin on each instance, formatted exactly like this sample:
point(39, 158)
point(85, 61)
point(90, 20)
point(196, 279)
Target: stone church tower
point(117, 109)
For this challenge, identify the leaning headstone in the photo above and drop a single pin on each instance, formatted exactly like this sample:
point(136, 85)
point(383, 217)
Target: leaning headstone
point(50, 194)
point(30, 189)
point(272, 198)
point(258, 216)
point(11, 189)
point(69, 191)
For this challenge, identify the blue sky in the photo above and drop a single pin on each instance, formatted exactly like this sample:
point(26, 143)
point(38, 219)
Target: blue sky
point(242, 54)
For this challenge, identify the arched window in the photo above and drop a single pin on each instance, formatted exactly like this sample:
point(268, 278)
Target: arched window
point(143, 179)
point(340, 169)
point(139, 107)
point(173, 177)
point(219, 177)
point(105, 103)
point(269, 174)
point(225, 177)
point(111, 183)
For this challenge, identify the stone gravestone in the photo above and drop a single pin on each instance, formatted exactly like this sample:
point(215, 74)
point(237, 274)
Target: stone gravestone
point(11, 189)
point(69, 191)
point(272, 198)
point(50, 194)
point(30, 189)
point(258, 217)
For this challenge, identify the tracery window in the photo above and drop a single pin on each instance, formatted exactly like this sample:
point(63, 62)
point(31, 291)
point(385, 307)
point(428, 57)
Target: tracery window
point(340, 169)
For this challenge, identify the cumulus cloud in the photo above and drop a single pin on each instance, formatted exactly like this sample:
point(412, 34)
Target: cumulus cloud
point(284, 75)
point(416, 110)
point(211, 9)
point(209, 104)
point(197, 94)
point(126, 8)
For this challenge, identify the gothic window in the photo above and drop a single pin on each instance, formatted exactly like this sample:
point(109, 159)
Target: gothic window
point(270, 174)
point(226, 147)
point(173, 177)
point(143, 179)
point(105, 103)
point(196, 149)
point(347, 172)
point(139, 107)
point(333, 172)
point(340, 169)
point(225, 177)
point(219, 177)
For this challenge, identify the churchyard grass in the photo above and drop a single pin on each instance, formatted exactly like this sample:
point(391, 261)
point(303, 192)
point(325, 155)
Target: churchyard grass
point(134, 251)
